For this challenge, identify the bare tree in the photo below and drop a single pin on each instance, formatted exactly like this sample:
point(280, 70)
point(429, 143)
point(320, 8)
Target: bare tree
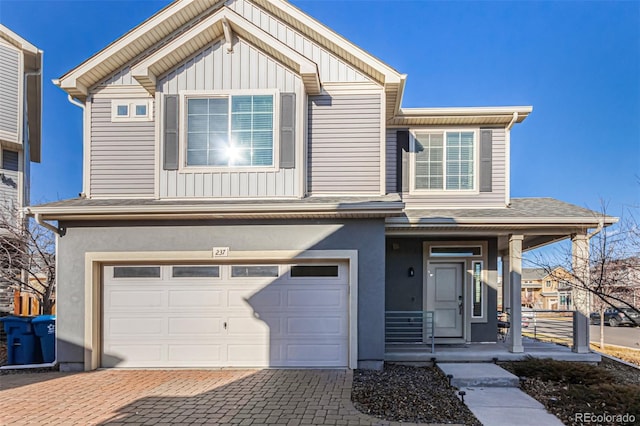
point(614, 268)
point(27, 258)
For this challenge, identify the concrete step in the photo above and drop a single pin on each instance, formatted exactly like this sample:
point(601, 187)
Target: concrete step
point(478, 374)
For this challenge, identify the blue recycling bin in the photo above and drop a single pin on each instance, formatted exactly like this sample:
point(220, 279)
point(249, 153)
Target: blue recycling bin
point(21, 342)
point(44, 327)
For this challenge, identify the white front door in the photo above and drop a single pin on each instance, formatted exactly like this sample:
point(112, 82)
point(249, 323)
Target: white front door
point(443, 296)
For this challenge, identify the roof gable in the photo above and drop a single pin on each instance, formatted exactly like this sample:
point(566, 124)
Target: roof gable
point(223, 23)
point(170, 25)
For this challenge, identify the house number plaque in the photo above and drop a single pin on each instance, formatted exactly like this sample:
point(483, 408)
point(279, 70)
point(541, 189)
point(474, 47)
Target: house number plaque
point(220, 251)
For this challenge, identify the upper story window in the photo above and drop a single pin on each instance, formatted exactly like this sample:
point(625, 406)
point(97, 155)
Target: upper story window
point(10, 160)
point(131, 110)
point(444, 161)
point(230, 131)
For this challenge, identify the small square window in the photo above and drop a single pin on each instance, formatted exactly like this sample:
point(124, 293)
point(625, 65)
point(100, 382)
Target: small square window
point(141, 110)
point(122, 110)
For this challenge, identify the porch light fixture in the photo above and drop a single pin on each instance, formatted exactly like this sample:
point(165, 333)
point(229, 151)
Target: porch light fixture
point(411, 272)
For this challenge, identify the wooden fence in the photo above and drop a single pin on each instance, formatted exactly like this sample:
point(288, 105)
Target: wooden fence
point(27, 304)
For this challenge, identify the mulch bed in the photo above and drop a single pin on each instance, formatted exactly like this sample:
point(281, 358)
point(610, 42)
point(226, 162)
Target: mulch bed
point(409, 394)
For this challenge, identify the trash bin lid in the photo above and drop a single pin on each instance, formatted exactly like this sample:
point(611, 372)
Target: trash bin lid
point(16, 319)
point(44, 318)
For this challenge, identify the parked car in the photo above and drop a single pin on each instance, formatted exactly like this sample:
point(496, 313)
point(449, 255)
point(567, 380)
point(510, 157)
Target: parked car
point(617, 316)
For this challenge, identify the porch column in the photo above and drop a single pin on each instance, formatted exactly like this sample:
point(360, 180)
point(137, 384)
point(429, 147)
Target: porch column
point(580, 296)
point(506, 283)
point(515, 286)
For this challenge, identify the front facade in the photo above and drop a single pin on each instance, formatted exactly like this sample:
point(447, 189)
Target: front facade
point(20, 131)
point(255, 196)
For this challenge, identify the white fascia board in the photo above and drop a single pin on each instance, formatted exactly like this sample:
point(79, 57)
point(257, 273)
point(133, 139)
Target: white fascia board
point(266, 208)
point(68, 80)
point(144, 71)
point(18, 41)
point(506, 221)
point(464, 111)
point(391, 75)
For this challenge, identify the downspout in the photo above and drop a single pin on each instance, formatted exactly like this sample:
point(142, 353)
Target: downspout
point(79, 104)
point(507, 191)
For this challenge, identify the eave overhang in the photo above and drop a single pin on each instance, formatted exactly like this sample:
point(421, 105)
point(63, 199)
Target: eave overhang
point(233, 211)
point(488, 116)
point(153, 67)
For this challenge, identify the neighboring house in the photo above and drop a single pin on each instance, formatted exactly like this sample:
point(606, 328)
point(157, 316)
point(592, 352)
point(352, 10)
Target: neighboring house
point(544, 290)
point(255, 195)
point(20, 131)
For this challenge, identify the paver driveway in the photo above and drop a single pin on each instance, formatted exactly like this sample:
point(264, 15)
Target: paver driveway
point(155, 397)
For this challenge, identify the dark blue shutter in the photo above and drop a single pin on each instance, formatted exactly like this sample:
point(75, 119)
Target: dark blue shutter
point(171, 149)
point(287, 130)
point(486, 160)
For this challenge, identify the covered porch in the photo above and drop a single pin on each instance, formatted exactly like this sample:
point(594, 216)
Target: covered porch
point(487, 352)
point(505, 234)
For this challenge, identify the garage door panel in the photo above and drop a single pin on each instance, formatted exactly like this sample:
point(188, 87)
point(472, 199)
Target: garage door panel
point(195, 298)
point(247, 326)
point(318, 326)
point(140, 327)
point(135, 354)
point(134, 299)
point(181, 326)
point(260, 299)
point(309, 297)
point(313, 353)
point(203, 354)
point(248, 354)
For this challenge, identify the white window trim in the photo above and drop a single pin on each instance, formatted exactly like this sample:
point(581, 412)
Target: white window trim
point(199, 94)
point(131, 105)
point(444, 191)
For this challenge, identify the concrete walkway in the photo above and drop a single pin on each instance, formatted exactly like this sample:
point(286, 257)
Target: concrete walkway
point(493, 396)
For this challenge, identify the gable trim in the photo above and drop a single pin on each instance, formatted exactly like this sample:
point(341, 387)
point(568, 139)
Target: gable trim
point(180, 49)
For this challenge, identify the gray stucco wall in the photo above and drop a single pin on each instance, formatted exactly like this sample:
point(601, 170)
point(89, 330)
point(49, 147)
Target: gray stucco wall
point(366, 236)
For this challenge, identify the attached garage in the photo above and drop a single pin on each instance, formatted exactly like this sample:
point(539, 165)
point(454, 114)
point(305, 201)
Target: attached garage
point(225, 315)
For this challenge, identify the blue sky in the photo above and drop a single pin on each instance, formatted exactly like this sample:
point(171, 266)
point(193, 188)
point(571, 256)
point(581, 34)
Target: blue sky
point(576, 63)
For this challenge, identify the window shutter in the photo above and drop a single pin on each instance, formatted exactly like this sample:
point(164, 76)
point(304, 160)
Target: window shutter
point(170, 132)
point(287, 130)
point(10, 160)
point(486, 160)
point(402, 161)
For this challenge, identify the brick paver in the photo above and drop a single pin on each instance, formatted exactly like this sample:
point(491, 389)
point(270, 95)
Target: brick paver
point(181, 397)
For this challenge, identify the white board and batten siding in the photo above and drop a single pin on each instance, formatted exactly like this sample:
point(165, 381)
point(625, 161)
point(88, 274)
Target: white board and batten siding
point(122, 159)
point(344, 142)
point(495, 198)
point(10, 88)
point(9, 201)
point(213, 69)
point(330, 67)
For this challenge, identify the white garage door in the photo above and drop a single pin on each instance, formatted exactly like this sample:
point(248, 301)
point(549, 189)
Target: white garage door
point(225, 316)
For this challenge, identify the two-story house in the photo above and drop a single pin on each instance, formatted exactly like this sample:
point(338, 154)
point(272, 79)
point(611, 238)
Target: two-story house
point(546, 290)
point(255, 195)
point(20, 132)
